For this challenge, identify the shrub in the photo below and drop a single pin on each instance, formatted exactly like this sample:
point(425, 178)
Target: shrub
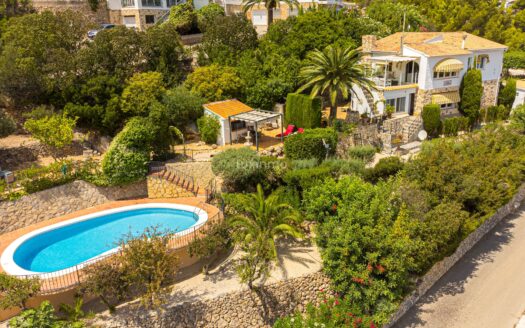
point(303, 179)
point(149, 264)
point(471, 91)
point(54, 132)
point(364, 153)
point(41, 317)
point(182, 106)
point(7, 124)
point(452, 125)
point(303, 111)
point(143, 90)
point(183, 17)
point(432, 119)
point(514, 59)
point(217, 238)
point(517, 118)
point(495, 113)
point(16, 292)
point(207, 14)
point(215, 82)
point(209, 128)
point(311, 144)
point(339, 167)
point(507, 93)
point(240, 168)
point(129, 153)
point(385, 168)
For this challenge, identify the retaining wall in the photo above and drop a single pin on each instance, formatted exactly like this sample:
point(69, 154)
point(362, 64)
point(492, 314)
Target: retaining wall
point(238, 309)
point(439, 269)
point(60, 201)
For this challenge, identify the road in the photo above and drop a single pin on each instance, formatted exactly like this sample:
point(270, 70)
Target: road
point(485, 289)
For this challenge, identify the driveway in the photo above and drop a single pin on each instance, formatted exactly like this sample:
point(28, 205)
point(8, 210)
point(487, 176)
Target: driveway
point(485, 289)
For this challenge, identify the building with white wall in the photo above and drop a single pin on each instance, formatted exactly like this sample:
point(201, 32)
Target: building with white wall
point(520, 94)
point(414, 69)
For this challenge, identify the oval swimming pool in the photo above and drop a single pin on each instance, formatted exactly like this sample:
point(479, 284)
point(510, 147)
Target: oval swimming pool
point(72, 242)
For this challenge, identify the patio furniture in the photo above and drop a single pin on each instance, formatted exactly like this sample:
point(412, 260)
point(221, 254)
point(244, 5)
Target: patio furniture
point(289, 130)
point(300, 130)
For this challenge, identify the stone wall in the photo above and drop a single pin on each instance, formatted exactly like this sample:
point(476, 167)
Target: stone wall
point(439, 269)
point(490, 93)
point(238, 309)
point(60, 201)
point(117, 16)
point(161, 188)
point(79, 6)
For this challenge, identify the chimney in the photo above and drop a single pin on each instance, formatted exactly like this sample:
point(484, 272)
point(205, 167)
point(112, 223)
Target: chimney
point(465, 35)
point(401, 42)
point(369, 43)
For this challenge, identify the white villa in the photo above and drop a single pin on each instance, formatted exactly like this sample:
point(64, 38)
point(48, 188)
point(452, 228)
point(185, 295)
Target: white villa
point(419, 68)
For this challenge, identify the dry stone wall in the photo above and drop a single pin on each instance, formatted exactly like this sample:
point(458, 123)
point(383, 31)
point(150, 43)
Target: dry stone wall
point(60, 201)
point(240, 309)
point(80, 6)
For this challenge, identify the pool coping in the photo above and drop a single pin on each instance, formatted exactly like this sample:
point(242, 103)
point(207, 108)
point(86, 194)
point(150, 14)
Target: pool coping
point(7, 239)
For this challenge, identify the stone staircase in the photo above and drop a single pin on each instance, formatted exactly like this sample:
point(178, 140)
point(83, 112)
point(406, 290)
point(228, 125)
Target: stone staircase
point(167, 182)
point(369, 99)
point(411, 127)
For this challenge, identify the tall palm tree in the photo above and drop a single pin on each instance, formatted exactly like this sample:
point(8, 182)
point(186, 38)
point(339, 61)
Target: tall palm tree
point(270, 5)
point(263, 221)
point(332, 73)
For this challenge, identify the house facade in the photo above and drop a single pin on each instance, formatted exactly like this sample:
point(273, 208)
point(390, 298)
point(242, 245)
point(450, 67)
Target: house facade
point(139, 14)
point(414, 69)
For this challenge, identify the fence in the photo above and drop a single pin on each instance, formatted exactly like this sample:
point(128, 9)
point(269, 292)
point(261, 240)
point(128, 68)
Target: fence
point(58, 281)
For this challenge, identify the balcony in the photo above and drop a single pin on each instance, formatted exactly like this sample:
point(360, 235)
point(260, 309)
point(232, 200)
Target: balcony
point(393, 72)
point(128, 3)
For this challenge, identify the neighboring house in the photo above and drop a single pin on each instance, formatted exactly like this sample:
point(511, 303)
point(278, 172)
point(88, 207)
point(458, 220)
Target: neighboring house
point(414, 69)
point(139, 14)
point(520, 94)
point(237, 118)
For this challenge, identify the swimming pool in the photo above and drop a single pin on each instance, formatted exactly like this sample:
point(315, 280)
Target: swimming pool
point(63, 245)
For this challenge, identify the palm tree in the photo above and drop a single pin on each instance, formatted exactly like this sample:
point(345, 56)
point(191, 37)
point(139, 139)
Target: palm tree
point(332, 73)
point(270, 5)
point(264, 221)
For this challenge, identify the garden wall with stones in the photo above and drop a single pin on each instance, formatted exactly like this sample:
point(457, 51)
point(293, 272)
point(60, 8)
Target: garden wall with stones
point(62, 200)
point(439, 269)
point(240, 309)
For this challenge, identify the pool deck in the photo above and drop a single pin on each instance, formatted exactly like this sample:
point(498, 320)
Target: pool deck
point(8, 238)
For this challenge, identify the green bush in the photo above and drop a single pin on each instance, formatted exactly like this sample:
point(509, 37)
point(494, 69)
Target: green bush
point(453, 125)
point(41, 317)
point(514, 59)
point(494, 113)
point(183, 17)
point(517, 118)
point(303, 179)
point(209, 128)
point(310, 144)
point(182, 106)
point(339, 167)
point(207, 14)
point(240, 168)
point(471, 91)
point(385, 168)
point(507, 94)
point(364, 153)
point(303, 111)
point(7, 124)
point(432, 119)
point(129, 153)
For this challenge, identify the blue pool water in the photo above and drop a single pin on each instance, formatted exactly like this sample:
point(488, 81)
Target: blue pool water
point(67, 246)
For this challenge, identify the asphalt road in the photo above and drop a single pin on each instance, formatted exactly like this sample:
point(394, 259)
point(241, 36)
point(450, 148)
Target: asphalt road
point(485, 289)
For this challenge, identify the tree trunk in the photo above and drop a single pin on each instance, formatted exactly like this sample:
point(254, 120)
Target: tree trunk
point(333, 114)
point(269, 18)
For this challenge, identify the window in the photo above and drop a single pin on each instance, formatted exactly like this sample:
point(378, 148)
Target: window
point(445, 75)
point(238, 125)
point(400, 104)
point(128, 3)
point(129, 21)
point(448, 106)
point(151, 3)
point(482, 61)
point(390, 102)
point(150, 19)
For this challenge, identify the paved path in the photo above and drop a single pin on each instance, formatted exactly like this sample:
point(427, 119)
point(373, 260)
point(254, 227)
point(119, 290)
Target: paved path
point(486, 289)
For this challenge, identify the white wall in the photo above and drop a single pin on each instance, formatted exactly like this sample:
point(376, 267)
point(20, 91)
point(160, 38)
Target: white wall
point(492, 70)
point(520, 98)
point(114, 4)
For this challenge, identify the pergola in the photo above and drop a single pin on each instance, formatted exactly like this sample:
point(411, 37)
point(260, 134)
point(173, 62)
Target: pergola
point(255, 116)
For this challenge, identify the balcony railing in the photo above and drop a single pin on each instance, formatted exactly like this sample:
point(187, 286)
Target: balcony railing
point(128, 3)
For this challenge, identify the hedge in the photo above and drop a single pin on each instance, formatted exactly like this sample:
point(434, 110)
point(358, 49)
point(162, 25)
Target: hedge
point(514, 59)
point(432, 119)
point(495, 113)
point(451, 126)
point(471, 91)
point(310, 144)
point(303, 111)
point(385, 168)
point(363, 153)
point(507, 93)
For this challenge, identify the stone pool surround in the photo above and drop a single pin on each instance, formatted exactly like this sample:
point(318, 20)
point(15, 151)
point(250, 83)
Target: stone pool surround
point(66, 296)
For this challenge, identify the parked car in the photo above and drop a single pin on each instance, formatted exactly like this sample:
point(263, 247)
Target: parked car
point(92, 33)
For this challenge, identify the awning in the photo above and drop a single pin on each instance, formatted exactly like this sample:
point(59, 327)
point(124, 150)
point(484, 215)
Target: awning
point(449, 65)
point(446, 98)
point(391, 59)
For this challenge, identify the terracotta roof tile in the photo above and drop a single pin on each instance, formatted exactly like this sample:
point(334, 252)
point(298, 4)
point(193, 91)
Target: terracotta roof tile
point(228, 108)
point(436, 43)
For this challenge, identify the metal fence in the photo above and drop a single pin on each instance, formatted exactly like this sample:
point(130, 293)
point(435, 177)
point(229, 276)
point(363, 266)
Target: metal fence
point(54, 282)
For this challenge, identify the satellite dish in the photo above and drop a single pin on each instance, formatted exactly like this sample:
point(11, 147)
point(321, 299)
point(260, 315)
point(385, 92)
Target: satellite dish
point(422, 135)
